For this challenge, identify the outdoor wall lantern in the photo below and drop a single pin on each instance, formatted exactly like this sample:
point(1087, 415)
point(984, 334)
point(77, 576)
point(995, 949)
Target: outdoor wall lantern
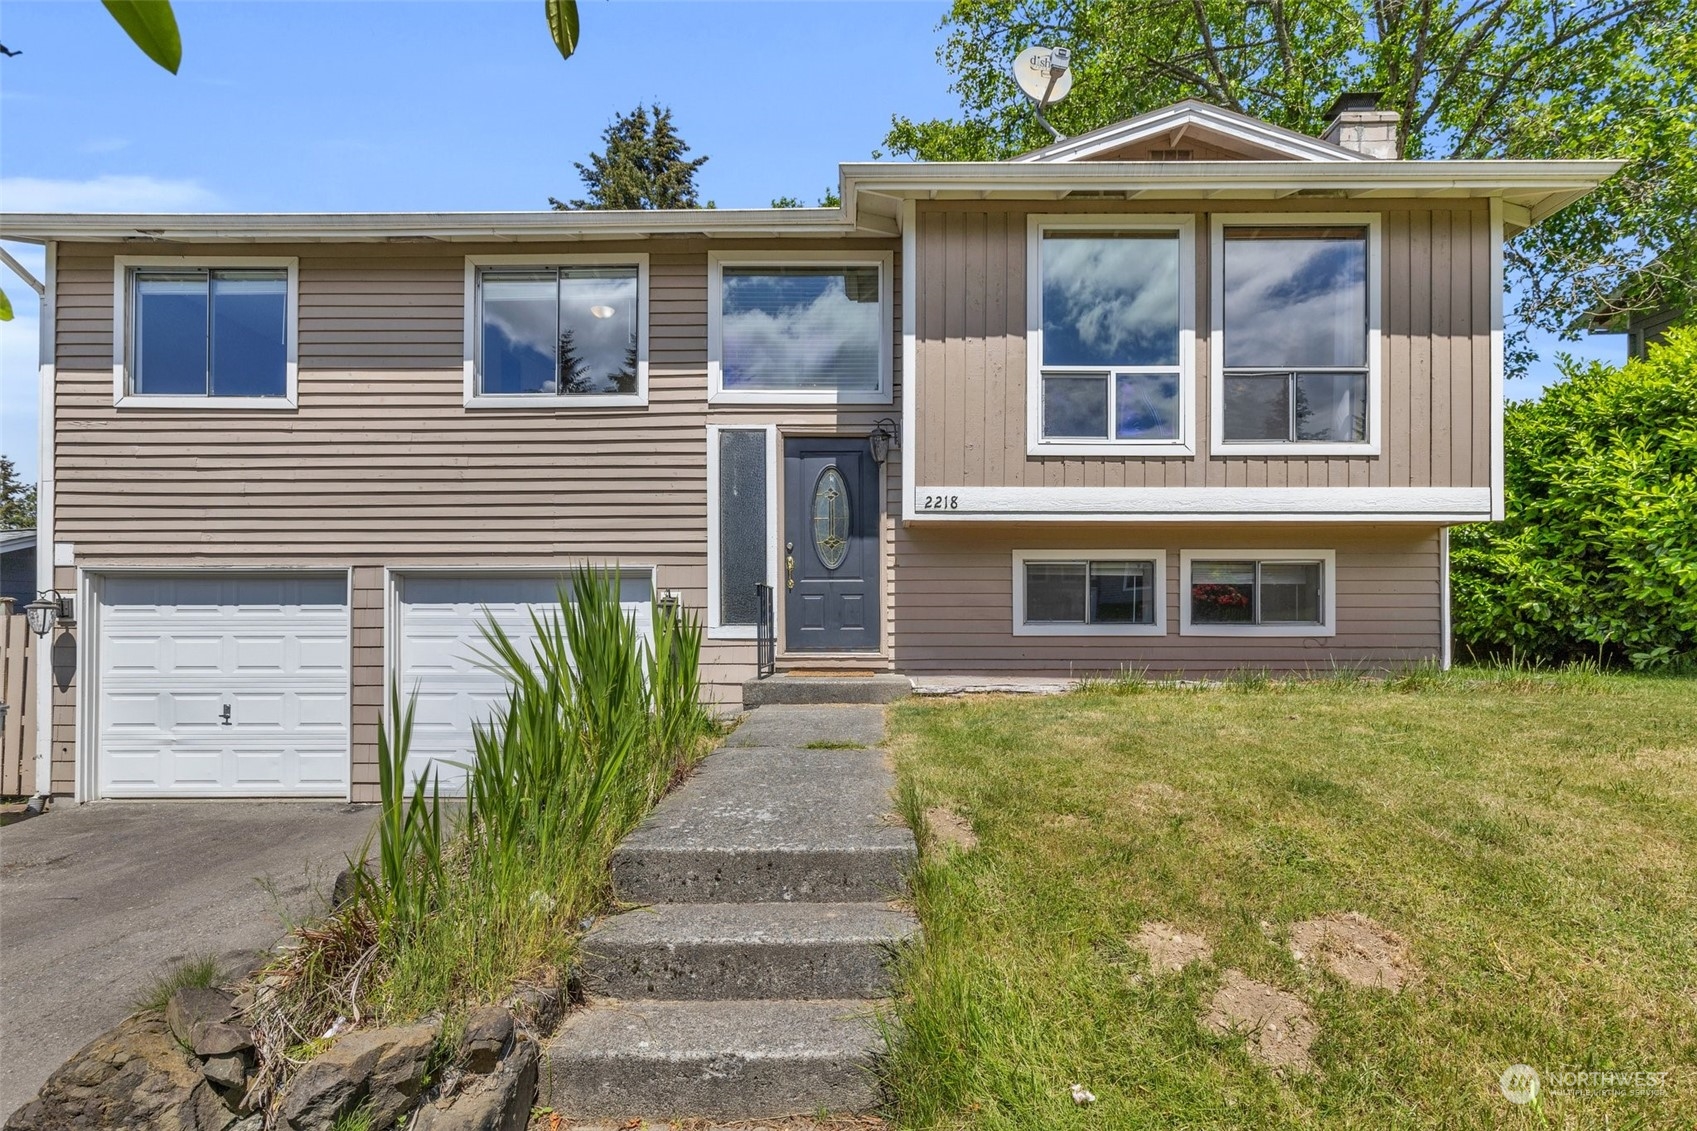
point(50, 608)
point(883, 438)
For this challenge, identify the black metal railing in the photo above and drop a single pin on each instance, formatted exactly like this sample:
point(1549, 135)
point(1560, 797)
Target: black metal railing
point(765, 634)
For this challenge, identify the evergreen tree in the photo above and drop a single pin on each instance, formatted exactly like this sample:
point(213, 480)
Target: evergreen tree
point(643, 165)
point(17, 502)
point(573, 373)
point(624, 380)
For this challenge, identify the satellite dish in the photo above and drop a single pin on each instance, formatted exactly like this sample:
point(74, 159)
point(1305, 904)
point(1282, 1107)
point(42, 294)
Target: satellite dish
point(1043, 74)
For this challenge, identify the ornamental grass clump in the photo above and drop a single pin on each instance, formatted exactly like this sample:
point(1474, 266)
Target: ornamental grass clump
point(460, 903)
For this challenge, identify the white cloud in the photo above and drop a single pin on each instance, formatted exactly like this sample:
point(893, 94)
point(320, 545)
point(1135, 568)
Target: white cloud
point(110, 192)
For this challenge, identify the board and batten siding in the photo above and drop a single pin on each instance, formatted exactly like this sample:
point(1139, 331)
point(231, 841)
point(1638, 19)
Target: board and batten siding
point(970, 407)
point(954, 601)
point(382, 465)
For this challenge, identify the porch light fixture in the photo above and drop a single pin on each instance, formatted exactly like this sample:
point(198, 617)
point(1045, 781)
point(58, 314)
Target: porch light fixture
point(883, 438)
point(49, 608)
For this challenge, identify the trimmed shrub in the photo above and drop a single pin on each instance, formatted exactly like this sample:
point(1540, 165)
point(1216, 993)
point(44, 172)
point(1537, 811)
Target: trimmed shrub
point(1597, 558)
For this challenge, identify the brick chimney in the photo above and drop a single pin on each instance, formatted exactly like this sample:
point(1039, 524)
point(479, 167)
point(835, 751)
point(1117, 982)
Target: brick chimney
point(1356, 122)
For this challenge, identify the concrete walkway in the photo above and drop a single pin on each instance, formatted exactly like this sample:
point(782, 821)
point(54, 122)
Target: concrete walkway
point(98, 900)
point(745, 986)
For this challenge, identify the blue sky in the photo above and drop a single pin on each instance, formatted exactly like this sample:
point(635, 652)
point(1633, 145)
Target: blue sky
point(283, 106)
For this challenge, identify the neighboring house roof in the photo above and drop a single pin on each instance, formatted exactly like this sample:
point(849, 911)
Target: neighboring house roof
point(16, 540)
point(1191, 119)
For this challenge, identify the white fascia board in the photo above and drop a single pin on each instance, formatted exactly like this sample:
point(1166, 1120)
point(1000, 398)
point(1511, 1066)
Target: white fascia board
point(1211, 504)
point(1552, 183)
point(494, 227)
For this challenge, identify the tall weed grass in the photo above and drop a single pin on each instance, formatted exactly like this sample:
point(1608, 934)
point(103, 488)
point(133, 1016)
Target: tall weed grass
point(456, 908)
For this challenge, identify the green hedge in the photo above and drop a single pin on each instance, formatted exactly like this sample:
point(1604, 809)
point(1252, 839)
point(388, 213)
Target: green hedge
point(1597, 557)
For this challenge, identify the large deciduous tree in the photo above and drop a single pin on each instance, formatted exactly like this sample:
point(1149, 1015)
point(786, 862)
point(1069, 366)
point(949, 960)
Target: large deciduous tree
point(1529, 79)
point(643, 165)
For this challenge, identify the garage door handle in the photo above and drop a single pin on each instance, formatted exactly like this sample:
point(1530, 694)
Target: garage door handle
point(226, 715)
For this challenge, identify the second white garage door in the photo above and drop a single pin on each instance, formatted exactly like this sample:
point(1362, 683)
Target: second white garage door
point(439, 644)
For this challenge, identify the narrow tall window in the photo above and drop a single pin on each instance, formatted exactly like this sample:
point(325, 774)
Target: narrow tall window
point(742, 524)
point(1111, 350)
point(1295, 335)
point(209, 332)
point(558, 331)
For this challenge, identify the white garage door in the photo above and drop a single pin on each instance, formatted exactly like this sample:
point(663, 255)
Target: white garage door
point(216, 685)
point(440, 647)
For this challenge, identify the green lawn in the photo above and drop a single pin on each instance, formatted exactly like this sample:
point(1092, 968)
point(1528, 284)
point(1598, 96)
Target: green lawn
point(1533, 838)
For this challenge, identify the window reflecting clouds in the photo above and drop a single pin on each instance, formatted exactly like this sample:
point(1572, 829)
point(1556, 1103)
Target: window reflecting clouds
point(1295, 299)
point(570, 331)
point(1111, 336)
point(801, 328)
point(1110, 299)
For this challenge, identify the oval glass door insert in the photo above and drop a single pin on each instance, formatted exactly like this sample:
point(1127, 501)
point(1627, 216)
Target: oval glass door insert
point(831, 518)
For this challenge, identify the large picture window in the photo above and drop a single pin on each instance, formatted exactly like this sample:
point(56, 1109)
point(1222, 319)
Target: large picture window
point(1098, 592)
point(1262, 593)
point(214, 335)
point(1296, 337)
point(569, 333)
point(1111, 336)
point(796, 330)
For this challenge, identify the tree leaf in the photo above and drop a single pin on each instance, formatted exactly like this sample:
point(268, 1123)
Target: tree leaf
point(562, 25)
point(153, 27)
point(5, 307)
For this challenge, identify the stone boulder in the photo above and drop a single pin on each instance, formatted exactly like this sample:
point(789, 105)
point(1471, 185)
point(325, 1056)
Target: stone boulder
point(487, 1031)
point(193, 1006)
point(382, 1069)
point(500, 1101)
point(136, 1075)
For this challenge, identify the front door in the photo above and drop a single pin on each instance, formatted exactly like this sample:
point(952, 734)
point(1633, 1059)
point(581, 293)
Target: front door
point(830, 545)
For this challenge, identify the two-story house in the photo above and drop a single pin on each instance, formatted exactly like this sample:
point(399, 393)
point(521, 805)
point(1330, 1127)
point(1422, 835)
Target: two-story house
point(1187, 394)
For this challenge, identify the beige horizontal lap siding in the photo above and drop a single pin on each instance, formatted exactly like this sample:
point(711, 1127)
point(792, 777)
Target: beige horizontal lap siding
point(954, 602)
point(1435, 354)
point(382, 465)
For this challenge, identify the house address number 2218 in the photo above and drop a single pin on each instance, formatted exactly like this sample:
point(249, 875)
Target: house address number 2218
point(939, 503)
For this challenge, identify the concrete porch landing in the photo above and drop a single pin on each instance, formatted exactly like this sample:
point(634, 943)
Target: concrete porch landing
point(748, 985)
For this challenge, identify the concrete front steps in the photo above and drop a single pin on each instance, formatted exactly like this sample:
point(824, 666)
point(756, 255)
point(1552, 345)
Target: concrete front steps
point(748, 986)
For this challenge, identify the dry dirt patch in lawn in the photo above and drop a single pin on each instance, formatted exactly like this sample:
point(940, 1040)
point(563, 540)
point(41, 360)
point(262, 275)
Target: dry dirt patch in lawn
point(1356, 950)
point(950, 829)
point(1170, 949)
point(1278, 1024)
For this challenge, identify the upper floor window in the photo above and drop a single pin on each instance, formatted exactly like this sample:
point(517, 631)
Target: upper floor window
point(551, 334)
point(204, 334)
point(1111, 337)
point(799, 329)
point(1297, 338)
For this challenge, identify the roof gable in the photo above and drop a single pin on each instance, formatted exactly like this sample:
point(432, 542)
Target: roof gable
point(1195, 126)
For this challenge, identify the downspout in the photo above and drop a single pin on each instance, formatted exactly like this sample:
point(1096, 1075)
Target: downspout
point(46, 418)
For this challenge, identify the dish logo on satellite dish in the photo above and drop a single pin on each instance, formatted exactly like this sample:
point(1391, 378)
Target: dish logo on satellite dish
point(1043, 73)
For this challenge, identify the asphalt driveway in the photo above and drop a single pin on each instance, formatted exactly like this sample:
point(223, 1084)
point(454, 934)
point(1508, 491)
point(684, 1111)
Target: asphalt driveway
point(98, 900)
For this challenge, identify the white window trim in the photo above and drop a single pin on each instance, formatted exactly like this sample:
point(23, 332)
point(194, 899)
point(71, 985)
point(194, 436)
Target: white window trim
point(1296, 449)
point(123, 326)
point(473, 336)
point(1328, 593)
point(1021, 627)
point(716, 630)
point(717, 261)
point(1035, 444)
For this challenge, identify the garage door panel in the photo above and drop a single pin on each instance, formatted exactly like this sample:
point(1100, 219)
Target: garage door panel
point(174, 651)
point(442, 652)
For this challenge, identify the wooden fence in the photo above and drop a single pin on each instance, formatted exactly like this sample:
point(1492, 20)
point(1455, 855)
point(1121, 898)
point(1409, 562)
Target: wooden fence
point(17, 692)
